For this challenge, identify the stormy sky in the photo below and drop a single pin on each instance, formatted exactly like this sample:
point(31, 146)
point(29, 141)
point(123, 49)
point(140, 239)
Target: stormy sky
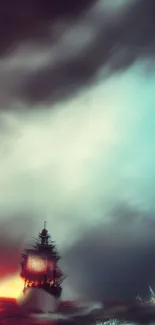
point(77, 128)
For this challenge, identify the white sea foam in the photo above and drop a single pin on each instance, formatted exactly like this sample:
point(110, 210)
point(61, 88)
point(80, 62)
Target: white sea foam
point(38, 300)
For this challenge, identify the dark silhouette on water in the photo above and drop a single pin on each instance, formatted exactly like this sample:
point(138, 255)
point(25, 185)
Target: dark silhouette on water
point(39, 267)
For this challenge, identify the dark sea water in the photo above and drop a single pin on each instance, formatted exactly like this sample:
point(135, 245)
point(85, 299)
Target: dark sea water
point(10, 313)
point(13, 314)
point(38, 307)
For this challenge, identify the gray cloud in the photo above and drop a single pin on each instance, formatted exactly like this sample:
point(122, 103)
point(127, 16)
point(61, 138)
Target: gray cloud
point(31, 20)
point(13, 234)
point(113, 43)
point(78, 46)
point(116, 259)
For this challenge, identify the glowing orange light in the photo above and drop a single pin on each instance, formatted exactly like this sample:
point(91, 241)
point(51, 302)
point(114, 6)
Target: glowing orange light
point(36, 264)
point(11, 287)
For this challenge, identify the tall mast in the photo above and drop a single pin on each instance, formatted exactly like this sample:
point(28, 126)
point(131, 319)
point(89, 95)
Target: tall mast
point(44, 236)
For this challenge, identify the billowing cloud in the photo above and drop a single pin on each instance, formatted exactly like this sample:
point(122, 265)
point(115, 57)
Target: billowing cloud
point(115, 260)
point(74, 167)
point(31, 20)
point(72, 47)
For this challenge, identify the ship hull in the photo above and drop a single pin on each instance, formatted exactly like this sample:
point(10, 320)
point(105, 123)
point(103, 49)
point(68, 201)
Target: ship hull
point(52, 290)
point(39, 300)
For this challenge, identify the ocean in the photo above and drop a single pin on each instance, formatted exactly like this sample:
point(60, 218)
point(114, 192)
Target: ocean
point(13, 314)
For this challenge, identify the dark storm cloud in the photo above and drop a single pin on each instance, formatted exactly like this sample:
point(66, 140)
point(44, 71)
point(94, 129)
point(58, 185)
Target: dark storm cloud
point(115, 260)
point(119, 38)
point(118, 43)
point(30, 19)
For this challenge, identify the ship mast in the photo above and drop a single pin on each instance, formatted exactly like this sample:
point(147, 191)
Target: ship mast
point(45, 244)
point(44, 236)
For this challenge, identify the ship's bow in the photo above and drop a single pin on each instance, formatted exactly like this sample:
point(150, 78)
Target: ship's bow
point(37, 300)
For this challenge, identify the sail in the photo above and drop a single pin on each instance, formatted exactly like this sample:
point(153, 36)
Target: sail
point(37, 264)
point(34, 267)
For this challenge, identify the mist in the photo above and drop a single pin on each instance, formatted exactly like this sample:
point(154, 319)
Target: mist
point(114, 260)
point(14, 234)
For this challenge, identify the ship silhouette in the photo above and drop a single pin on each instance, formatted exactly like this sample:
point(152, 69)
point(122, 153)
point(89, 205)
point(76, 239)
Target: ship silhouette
point(40, 266)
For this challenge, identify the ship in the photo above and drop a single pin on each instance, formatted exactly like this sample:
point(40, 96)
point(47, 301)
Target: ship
point(40, 266)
